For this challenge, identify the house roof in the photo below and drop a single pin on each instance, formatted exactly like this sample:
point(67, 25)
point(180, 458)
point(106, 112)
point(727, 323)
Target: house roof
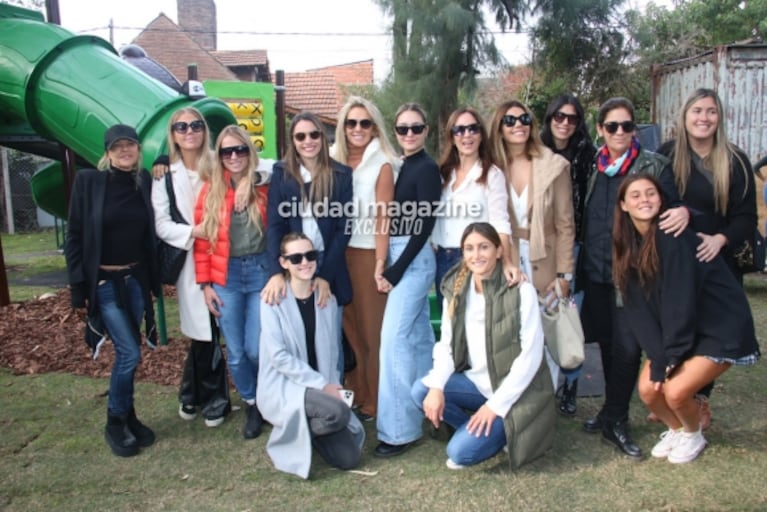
point(314, 91)
point(509, 85)
point(322, 90)
point(241, 57)
point(166, 43)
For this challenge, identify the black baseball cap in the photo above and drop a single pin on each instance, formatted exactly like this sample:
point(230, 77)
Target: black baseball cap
point(119, 132)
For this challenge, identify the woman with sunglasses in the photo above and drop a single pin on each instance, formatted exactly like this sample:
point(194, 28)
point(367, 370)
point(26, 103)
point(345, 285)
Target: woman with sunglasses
point(112, 268)
point(362, 144)
point(689, 315)
point(406, 335)
point(715, 181)
point(204, 383)
point(298, 381)
point(566, 134)
point(619, 157)
point(540, 202)
point(473, 190)
point(231, 261)
point(311, 194)
point(489, 379)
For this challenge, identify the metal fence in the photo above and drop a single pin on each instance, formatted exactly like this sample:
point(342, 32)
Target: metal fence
point(16, 191)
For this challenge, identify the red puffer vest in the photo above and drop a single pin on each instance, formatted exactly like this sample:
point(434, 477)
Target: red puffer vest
point(211, 266)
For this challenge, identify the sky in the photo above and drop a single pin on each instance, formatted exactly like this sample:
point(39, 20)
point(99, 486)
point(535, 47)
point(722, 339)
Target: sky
point(297, 34)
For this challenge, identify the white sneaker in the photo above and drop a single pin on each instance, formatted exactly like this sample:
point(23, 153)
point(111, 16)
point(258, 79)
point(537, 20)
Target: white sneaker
point(187, 412)
point(687, 448)
point(668, 441)
point(214, 422)
point(453, 465)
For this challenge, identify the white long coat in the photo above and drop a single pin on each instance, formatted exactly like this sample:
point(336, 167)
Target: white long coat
point(195, 320)
point(284, 375)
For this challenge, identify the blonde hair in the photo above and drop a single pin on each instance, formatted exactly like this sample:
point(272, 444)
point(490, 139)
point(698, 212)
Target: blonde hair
point(105, 164)
point(341, 149)
point(719, 161)
point(322, 176)
point(214, 201)
point(204, 158)
point(498, 144)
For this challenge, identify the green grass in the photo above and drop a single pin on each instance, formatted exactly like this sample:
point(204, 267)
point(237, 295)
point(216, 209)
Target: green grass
point(28, 255)
point(53, 457)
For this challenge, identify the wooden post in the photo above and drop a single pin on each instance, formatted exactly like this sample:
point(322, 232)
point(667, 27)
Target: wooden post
point(280, 93)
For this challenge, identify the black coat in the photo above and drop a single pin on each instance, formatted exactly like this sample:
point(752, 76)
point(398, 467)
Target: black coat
point(691, 308)
point(739, 222)
point(85, 237)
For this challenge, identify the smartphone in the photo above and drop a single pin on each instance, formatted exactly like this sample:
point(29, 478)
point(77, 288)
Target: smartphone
point(347, 395)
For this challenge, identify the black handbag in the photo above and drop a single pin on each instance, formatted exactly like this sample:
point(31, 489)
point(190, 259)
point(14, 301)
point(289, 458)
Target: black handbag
point(171, 258)
point(749, 257)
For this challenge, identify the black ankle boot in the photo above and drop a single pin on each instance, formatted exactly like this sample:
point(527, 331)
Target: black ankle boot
point(567, 404)
point(144, 435)
point(119, 437)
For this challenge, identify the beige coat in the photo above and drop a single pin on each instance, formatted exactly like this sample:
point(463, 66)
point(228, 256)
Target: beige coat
point(551, 221)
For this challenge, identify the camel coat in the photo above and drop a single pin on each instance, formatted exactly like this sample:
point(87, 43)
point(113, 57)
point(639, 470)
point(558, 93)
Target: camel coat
point(551, 220)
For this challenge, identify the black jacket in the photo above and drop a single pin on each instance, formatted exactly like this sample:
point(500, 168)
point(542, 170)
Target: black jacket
point(739, 222)
point(85, 236)
point(692, 308)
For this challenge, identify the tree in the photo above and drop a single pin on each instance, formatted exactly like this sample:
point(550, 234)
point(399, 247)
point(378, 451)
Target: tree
point(438, 48)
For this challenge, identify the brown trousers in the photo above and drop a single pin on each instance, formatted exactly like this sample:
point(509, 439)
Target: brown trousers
point(362, 325)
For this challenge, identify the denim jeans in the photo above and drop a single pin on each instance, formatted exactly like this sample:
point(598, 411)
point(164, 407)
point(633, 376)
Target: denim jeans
point(407, 341)
point(462, 399)
point(124, 328)
point(446, 259)
point(240, 319)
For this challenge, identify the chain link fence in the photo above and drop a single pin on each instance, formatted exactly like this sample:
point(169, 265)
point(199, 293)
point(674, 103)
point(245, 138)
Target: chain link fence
point(25, 216)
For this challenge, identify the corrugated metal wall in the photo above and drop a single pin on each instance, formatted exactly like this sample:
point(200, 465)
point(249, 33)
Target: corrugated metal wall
point(739, 75)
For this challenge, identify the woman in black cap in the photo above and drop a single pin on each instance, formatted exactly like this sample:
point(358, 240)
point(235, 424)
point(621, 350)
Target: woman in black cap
point(110, 252)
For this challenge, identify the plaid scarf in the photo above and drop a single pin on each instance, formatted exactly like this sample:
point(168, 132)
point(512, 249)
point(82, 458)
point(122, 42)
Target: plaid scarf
point(621, 165)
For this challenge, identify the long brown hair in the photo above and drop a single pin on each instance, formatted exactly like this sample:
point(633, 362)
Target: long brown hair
point(449, 160)
point(719, 160)
point(498, 144)
point(630, 250)
point(322, 177)
point(485, 230)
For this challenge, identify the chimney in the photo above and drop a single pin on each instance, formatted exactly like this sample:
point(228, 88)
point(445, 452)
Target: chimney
point(198, 19)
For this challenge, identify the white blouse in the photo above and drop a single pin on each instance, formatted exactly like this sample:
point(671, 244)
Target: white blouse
point(472, 202)
point(308, 223)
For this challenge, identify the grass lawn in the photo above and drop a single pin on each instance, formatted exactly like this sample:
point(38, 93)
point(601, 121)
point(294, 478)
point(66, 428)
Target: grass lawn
point(53, 458)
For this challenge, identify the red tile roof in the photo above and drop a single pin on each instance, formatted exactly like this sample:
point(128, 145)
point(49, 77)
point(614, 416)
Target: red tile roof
point(166, 43)
point(241, 57)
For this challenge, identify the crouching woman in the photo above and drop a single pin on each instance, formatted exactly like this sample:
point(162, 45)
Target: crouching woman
point(298, 388)
point(489, 380)
point(691, 317)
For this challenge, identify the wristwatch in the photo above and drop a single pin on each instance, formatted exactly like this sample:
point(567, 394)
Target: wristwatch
point(567, 276)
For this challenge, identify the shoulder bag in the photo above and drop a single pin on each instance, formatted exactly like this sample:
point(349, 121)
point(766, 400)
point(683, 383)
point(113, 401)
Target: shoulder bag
point(563, 332)
point(171, 258)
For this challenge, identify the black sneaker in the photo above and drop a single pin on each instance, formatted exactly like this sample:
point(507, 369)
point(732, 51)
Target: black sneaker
point(187, 412)
point(119, 437)
point(144, 435)
point(253, 422)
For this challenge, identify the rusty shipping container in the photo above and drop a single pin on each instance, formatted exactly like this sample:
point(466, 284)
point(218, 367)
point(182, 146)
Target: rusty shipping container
point(737, 72)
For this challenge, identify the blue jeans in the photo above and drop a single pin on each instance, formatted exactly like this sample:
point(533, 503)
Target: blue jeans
point(462, 399)
point(446, 259)
point(407, 341)
point(240, 319)
point(124, 328)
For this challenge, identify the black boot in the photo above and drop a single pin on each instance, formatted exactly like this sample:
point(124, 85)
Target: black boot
point(617, 434)
point(119, 437)
point(144, 435)
point(567, 404)
point(253, 422)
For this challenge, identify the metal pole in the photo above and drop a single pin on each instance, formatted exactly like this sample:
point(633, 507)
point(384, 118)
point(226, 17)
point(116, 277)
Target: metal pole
point(11, 225)
point(280, 98)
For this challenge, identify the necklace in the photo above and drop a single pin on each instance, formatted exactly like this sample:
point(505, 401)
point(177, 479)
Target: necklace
point(306, 300)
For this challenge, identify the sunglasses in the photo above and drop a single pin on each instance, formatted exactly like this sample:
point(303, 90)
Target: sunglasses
point(364, 123)
point(417, 129)
point(561, 117)
point(301, 136)
point(509, 120)
point(460, 129)
point(298, 257)
point(183, 127)
point(612, 127)
point(227, 152)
